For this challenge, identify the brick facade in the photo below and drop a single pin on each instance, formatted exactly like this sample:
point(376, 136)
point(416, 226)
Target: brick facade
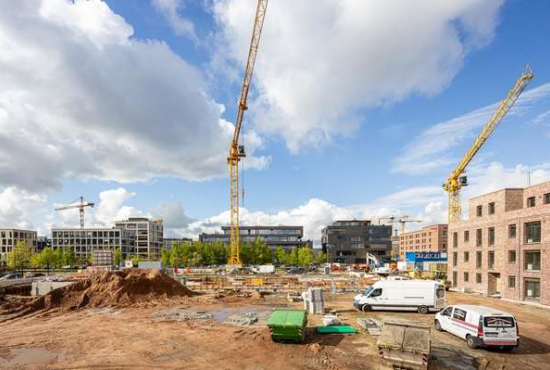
point(429, 239)
point(503, 248)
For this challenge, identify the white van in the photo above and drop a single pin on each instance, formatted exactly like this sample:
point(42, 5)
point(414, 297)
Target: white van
point(413, 295)
point(481, 326)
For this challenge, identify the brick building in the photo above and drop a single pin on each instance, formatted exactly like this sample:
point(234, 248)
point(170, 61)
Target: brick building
point(428, 239)
point(503, 248)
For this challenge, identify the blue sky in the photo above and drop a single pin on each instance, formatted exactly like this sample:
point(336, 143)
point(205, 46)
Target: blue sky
point(357, 110)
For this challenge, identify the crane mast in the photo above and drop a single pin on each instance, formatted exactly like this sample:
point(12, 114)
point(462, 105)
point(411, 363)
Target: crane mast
point(456, 181)
point(236, 152)
point(80, 207)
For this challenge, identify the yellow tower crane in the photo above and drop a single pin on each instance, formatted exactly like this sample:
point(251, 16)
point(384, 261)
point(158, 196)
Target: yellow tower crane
point(456, 180)
point(236, 151)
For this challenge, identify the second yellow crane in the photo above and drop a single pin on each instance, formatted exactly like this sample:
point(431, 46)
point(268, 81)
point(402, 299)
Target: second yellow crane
point(456, 181)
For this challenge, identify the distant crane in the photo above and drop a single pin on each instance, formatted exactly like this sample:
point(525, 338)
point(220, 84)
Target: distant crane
point(236, 152)
point(81, 205)
point(403, 220)
point(456, 181)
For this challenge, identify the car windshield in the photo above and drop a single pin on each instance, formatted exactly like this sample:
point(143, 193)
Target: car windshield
point(499, 322)
point(368, 290)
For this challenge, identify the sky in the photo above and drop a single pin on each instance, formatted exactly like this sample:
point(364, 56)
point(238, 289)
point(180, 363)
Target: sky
point(358, 108)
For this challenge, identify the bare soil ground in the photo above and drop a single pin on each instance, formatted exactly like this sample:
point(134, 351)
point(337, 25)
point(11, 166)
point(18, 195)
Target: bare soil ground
point(133, 337)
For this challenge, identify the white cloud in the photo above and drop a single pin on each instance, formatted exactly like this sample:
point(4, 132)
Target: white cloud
point(171, 10)
point(81, 97)
point(17, 206)
point(320, 61)
point(431, 150)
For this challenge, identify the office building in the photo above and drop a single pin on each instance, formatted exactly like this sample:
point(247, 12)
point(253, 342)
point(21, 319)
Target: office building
point(86, 241)
point(9, 239)
point(350, 241)
point(286, 237)
point(148, 236)
point(503, 247)
point(429, 239)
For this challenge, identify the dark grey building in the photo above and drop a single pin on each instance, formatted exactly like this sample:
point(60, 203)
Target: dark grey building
point(287, 237)
point(350, 241)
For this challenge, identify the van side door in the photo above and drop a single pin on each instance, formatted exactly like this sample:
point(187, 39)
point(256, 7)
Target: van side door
point(459, 325)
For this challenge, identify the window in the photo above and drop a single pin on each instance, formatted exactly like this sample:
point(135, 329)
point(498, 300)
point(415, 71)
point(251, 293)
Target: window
point(532, 289)
point(511, 256)
point(479, 235)
point(376, 293)
point(530, 202)
point(479, 260)
point(455, 258)
point(492, 208)
point(532, 260)
point(511, 281)
point(491, 260)
point(459, 314)
point(512, 231)
point(466, 257)
point(547, 198)
point(455, 240)
point(466, 277)
point(447, 311)
point(479, 211)
point(466, 236)
point(491, 236)
point(532, 232)
point(478, 278)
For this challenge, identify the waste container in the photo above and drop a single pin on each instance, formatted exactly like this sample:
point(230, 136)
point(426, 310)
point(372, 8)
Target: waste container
point(288, 325)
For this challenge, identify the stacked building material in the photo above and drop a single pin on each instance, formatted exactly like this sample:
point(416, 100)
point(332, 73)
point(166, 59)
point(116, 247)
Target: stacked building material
point(313, 301)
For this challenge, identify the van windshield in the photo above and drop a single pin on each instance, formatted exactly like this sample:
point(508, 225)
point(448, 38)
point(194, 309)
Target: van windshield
point(367, 291)
point(499, 322)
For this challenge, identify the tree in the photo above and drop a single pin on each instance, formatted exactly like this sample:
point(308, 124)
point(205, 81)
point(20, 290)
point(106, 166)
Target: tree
point(90, 259)
point(281, 256)
point(70, 257)
point(20, 256)
point(293, 257)
point(59, 258)
point(136, 260)
point(117, 257)
point(305, 256)
point(165, 257)
point(321, 258)
point(47, 257)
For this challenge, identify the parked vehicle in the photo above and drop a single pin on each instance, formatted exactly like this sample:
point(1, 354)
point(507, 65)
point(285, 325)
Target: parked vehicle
point(414, 295)
point(264, 269)
point(11, 276)
point(481, 326)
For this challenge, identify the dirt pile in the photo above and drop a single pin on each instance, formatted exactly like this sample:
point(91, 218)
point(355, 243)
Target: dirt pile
point(108, 289)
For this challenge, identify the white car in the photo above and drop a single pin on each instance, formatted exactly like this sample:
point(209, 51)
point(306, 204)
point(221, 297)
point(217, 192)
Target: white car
point(481, 326)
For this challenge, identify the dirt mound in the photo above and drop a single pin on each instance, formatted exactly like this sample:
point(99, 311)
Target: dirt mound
point(107, 289)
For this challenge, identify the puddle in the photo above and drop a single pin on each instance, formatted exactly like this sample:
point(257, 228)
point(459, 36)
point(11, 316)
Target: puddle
point(454, 359)
point(26, 356)
point(223, 315)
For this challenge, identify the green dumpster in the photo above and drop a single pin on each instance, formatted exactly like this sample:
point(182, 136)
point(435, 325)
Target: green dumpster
point(288, 325)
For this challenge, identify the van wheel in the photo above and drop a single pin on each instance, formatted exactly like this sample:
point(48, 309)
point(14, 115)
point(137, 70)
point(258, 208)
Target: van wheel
point(471, 342)
point(438, 325)
point(423, 310)
point(366, 308)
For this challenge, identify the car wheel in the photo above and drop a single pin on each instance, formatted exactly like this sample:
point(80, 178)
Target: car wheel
point(365, 308)
point(438, 326)
point(423, 310)
point(471, 342)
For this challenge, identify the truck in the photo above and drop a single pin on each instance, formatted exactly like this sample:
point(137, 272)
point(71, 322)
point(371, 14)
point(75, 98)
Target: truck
point(404, 345)
point(402, 295)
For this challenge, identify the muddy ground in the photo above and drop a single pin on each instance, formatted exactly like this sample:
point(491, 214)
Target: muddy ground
point(146, 337)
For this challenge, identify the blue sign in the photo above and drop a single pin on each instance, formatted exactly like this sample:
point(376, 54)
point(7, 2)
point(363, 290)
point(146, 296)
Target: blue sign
point(426, 257)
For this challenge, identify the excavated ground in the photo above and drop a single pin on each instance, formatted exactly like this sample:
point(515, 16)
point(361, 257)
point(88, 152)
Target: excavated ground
point(196, 332)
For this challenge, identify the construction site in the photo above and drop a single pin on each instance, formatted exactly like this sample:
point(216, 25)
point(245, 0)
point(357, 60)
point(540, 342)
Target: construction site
point(387, 291)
